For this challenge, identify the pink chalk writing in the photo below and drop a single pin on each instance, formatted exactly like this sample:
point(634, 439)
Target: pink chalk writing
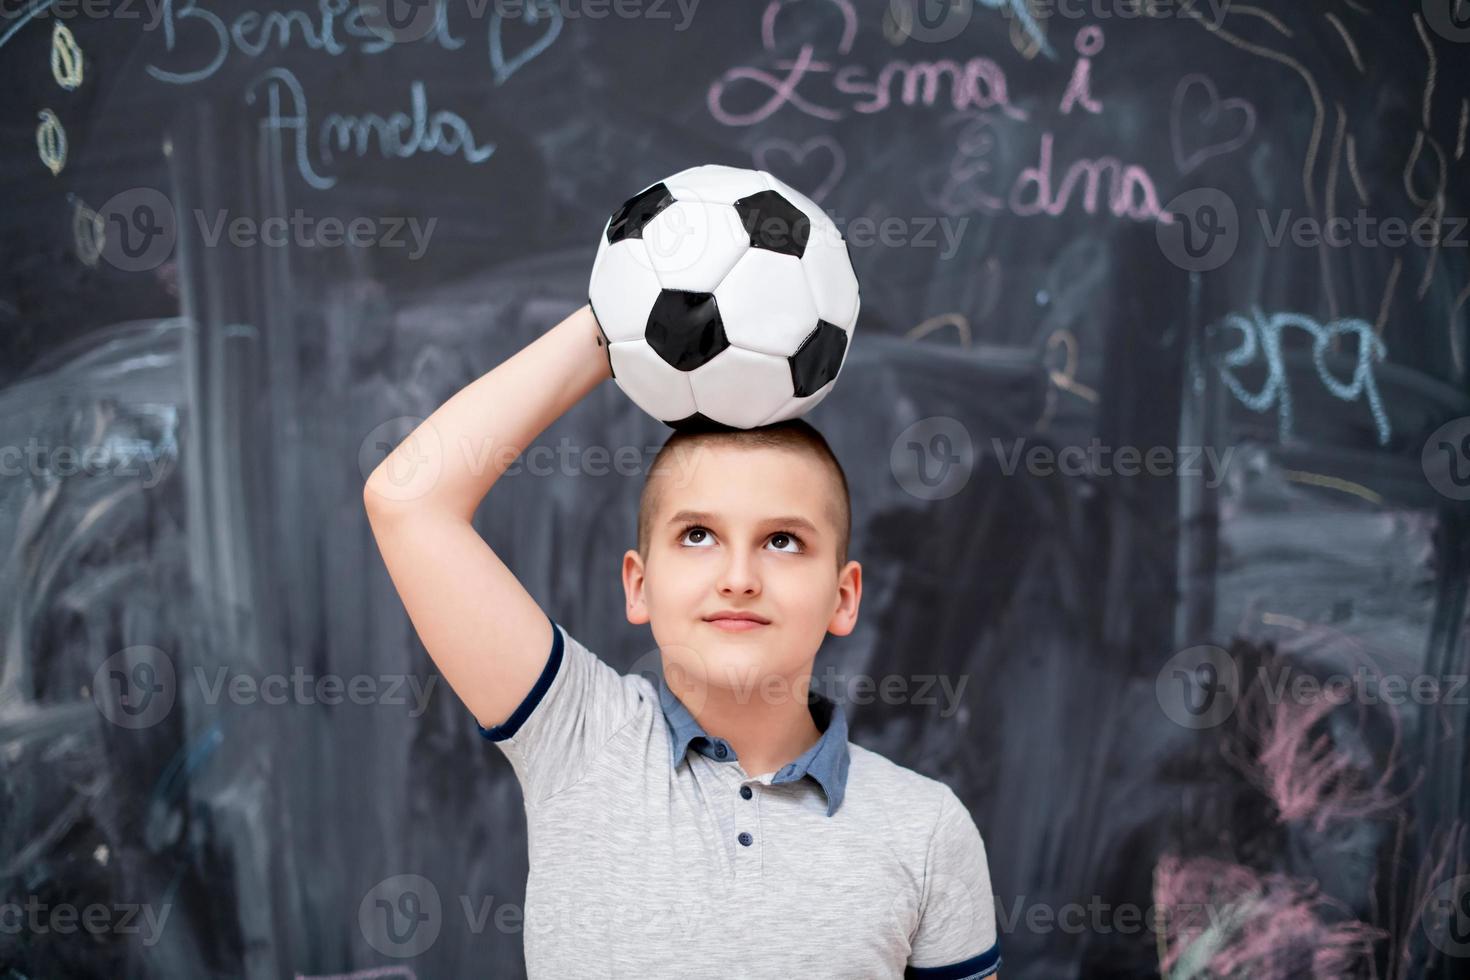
point(1130, 190)
point(1091, 185)
point(976, 83)
point(1079, 89)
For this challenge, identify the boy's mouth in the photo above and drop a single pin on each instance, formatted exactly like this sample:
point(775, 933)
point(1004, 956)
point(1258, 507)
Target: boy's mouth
point(735, 625)
point(735, 621)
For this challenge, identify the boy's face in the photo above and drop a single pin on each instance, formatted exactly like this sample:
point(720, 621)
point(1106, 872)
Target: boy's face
point(749, 530)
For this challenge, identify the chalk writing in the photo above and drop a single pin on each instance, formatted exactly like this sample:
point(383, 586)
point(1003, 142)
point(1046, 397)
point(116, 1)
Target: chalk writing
point(51, 141)
point(66, 58)
point(977, 83)
point(198, 41)
point(203, 40)
point(1130, 190)
point(768, 150)
point(1079, 89)
point(1260, 338)
point(970, 183)
point(207, 38)
point(398, 135)
point(1211, 113)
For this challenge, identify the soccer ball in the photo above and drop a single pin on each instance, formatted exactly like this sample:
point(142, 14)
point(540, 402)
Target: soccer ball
point(727, 299)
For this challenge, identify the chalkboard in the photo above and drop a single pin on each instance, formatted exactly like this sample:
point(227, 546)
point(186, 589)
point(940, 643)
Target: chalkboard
point(1156, 420)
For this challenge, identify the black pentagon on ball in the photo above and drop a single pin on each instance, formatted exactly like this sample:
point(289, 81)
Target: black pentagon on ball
point(698, 422)
point(817, 359)
point(628, 220)
point(774, 223)
point(685, 329)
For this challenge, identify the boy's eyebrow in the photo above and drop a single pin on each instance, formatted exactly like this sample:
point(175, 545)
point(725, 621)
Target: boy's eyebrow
point(703, 517)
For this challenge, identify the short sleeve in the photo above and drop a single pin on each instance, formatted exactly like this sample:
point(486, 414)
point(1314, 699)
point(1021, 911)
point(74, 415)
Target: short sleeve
point(956, 937)
point(575, 707)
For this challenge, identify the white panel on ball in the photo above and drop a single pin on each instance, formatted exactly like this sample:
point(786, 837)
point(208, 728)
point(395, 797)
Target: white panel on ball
point(741, 387)
point(795, 407)
point(829, 274)
point(765, 303)
point(652, 383)
point(715, 184)
point(623, 290)
point(691, 246)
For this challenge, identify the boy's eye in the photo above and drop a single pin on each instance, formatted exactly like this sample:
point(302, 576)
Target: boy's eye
point(783, 538)
point(698, 536)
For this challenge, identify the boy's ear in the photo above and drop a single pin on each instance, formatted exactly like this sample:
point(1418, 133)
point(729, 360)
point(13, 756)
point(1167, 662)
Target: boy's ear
point(633, 570)
point(849, 597)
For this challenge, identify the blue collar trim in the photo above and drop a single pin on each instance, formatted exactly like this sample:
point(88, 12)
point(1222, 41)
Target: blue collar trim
point(827, 761)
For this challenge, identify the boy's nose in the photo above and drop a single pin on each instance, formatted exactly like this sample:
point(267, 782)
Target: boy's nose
point(739, 576)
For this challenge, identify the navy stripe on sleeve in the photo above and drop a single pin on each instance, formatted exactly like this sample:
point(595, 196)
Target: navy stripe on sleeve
point(501, 732)
point(982, 965)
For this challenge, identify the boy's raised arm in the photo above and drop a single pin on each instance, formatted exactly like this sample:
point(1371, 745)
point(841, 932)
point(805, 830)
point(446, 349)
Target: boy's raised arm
point(484, 631)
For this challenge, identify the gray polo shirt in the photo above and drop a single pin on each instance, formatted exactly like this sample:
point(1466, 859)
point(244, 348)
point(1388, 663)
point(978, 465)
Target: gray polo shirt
point(648, 860)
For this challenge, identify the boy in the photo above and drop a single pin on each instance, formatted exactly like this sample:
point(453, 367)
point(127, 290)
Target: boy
point(719, 823)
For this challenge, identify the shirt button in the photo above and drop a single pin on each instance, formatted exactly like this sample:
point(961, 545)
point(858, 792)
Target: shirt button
point(745, 792)
point(745, 838)
point(720, 750)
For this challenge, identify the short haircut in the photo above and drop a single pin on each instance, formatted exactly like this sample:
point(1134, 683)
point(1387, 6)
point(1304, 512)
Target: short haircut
point(795, 435)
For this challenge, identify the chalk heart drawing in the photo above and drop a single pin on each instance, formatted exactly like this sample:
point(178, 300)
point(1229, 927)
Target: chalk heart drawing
point(769, 154)
point(533, 15)
point(1229, 122)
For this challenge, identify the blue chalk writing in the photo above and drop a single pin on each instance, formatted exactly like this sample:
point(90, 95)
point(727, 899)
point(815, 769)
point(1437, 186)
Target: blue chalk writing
point(443, 131)
point(1260, 336)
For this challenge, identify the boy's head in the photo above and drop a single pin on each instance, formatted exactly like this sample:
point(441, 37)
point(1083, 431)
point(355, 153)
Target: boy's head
point(750, 520)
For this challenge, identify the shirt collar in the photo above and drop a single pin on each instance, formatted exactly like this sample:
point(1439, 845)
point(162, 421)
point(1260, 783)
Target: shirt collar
point(826, 762)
